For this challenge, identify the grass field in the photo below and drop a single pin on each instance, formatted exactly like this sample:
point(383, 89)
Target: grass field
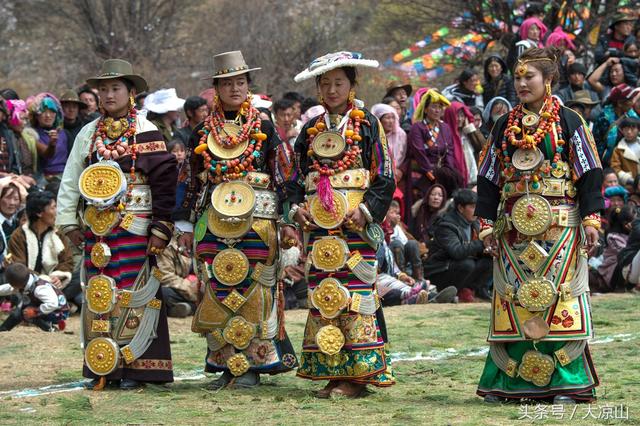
point(439, 352)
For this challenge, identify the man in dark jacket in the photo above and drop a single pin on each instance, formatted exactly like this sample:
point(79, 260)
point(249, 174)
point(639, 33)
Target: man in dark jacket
point(611, 44)
point(71, 106)
point(457, 256)
point(9, 152)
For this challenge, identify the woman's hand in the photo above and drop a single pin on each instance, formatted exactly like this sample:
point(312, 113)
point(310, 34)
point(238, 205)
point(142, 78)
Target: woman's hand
point(76, 236)
point(185, 242)
point(592, 237)
point(355, 220)
point(288, 237)
point(55, 281)
point(156, 246)
point(305, 220)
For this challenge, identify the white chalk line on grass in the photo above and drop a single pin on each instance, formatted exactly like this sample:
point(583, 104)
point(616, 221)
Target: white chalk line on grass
point(433, 355)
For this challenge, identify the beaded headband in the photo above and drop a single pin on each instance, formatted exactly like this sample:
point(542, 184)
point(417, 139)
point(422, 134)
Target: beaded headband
point(521, 67)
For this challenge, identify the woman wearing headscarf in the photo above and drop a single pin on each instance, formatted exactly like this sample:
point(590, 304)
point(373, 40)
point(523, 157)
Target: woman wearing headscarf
point(532, 33)
point(494, 109)
point(25, 136)
point(396, 137)
point(467, 140)
point(430, 151)
point(53, 145)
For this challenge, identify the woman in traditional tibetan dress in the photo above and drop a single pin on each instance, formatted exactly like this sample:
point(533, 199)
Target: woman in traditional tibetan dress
point(234, 204)
point(119, 170)
point(539, 200)
point(341, 193)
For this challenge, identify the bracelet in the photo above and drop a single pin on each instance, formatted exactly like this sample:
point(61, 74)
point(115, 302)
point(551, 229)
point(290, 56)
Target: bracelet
point(365, 211)
point(485, 223)
point(593, 220)
point(292, 212)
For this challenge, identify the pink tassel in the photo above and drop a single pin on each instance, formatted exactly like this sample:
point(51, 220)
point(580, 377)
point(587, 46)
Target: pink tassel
point(325, 193)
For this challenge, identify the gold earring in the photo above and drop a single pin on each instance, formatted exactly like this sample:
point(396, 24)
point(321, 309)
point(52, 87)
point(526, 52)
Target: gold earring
point(132, 101)
point(548, 89)
point(352, 96)
point(320, 98)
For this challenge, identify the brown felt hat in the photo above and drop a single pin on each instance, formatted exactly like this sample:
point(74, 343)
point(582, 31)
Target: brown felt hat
point(119, 68)
point(71, 96)
point(229, 64)
point(398, 85)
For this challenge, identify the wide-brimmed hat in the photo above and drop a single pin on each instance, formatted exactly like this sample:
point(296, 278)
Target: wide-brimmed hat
point(71, 96)
point(398, 85)
point(332, 61)
point(621, 17)
point(581, 97)
point(163, 101)
point(228, 64)
point(118, 68)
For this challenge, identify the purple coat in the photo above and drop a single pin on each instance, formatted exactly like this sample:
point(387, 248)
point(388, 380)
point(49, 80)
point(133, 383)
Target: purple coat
point(54, 165)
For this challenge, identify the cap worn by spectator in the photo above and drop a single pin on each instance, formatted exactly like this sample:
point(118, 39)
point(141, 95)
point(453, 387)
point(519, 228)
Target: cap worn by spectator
point(577, 68)
point(621, 92)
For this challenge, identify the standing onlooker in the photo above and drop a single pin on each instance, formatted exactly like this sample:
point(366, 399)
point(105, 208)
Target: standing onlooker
point(196, 110)
point(92, 102)
point(430, 150)
point(400, 92)
point(576, 74)
point(25, 136)
point(179, 286)
point(163, 106)
point(297, 99)
point(532, 32)
point(71, 106)
point(612, 43)
point(466, 90)
point(283, 111)
point(9, 150)
point(396, 137)
point(467, 140)
point(53, 142)
point(497, 81)
point(611, 73)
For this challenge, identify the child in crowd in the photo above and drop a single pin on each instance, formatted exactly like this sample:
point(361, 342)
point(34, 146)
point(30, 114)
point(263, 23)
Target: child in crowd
point(405, 248)
point(42, 303)
point(625, 159)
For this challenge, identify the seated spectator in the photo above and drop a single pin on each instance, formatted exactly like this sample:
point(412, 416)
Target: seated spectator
point(53, 142)
point(43, 249)
point(292, 267)
point(626, 155)
point(41, 303)
point(585, 105)
point(608, 276)
point(629, 259)
point(10, 202)
point(457, 256)
point(495, 109)
point(196, 110)
point(631, 49)
point(576, 74)
point(605, 130)
point(477, 116)
point(179, 286)
point(425, 212)
point(405, 248)
point(497, 82)
point(396, 137)
point(26, 138)
point(611, 43)
point(466, 90)
point(163, 108)
point(609, 178)
point(617, 197)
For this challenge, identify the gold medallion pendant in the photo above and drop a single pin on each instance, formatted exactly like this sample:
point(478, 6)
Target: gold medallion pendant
point(233, 200)
point(531, 215)
point(101, 222)
point(537, 368)
point(101, 183)
point(536, 294)
point(230, 267)
point(102, 356)
point(100, 255)
point(326, 219)
point(223, 152)
point(527, 160)
point(100, 294)
point(330, 298)
point(330, 340)
point(227, 228)
point(530, 120)
point(328, 145)
point(329, 254)
point(239, 332)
